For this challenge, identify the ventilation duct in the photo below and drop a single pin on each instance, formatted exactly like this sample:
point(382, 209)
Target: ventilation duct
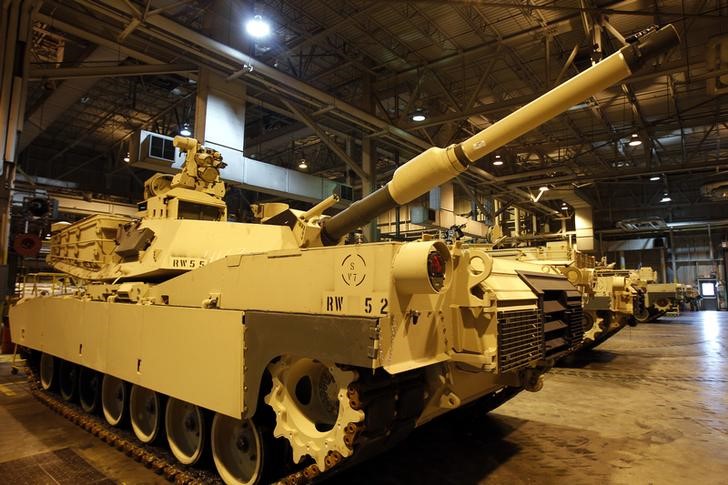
point(642, 224)
point(156, 152)
point(716, 191)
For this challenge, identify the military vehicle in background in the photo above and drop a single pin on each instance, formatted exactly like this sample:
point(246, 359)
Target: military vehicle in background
point(279, 330)
point(610, 300)
point(660, 298)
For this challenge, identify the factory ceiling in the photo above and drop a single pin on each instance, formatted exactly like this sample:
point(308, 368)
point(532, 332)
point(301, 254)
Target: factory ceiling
point(343, 71)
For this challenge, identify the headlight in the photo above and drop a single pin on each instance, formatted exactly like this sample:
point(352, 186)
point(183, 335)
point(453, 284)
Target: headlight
point(423, 267)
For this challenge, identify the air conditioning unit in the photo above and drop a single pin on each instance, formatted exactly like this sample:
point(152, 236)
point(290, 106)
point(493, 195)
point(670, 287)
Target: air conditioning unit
point(154, 152)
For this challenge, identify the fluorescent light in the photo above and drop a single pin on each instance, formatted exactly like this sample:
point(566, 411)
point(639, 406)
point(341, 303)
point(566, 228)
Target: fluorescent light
point(257, 27)
point(127, 158)
point(635, 141)
point(185, 131)
point(655, 178)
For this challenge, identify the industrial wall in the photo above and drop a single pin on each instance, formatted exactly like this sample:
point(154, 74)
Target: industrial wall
point(697, 253)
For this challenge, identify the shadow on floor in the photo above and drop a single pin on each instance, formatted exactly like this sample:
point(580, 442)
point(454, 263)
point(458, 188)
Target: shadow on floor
point(461, 448)
point(583, 358)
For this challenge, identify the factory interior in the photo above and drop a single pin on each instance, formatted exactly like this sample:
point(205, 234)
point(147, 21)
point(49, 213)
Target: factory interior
point(231, 254)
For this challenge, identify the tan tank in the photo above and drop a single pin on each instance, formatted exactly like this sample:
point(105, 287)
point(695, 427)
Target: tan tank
point(611, 299)
point(659, 298)
point(280, 330)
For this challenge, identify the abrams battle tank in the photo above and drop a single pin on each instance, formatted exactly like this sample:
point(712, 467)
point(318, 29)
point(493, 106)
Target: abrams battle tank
point(610, 299)
point(279, 330)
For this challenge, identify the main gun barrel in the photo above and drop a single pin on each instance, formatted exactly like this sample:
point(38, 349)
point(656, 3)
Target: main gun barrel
point(435, 166)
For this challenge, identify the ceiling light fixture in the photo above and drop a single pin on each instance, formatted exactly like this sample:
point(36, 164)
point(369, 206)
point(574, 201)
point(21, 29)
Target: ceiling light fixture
point(418, 115)
point(498, 162)
point(257, 27)
point(127, 158)
point(666, 198)
point(543, 188)
point(655, 178)
point(185, 131)
point(302, 164)
point(635, 140)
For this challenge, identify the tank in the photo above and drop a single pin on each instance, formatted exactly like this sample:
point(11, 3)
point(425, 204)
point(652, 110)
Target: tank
point(659, 298)
point(610, 299)
point(281, 350)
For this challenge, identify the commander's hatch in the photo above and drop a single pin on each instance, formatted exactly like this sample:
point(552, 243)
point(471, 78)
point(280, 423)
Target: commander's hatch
point(560, 303)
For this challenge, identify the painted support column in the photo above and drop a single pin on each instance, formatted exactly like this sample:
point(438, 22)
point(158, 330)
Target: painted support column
point(673, 257)
point(16, 19)
point(220, 118)
point(447, 204)
point(583, 222)
point(369, 164)
point(15, 33)
point(622, 264)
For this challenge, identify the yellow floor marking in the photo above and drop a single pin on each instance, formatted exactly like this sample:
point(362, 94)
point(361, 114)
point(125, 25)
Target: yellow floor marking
point(5, 390)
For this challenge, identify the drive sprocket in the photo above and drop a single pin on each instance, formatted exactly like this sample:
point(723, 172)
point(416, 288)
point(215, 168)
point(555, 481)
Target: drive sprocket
point(312, 409)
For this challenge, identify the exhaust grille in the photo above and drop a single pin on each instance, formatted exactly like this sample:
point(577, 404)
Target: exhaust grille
point(520, 338)
point(575, 319)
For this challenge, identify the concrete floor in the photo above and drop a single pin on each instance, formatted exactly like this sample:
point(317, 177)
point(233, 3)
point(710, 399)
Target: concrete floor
point(648, 406)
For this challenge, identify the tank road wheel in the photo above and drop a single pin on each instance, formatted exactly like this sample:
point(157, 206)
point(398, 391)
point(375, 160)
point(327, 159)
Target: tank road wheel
point(642, 315)
point(114, 399)
point(145, 408)
point(312, 409)
point(186, 429)
point(48, 374)
point(89, 390)
point(68, 380)
point(237, 449)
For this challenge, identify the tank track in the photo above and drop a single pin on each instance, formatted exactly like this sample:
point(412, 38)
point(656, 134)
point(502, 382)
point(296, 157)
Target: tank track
point(154, 458)
point(391, 406)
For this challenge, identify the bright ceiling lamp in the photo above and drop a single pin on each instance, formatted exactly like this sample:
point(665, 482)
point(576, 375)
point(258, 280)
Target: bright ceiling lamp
point(635, 140)
point(185, 131)
point(418, 115)
point(498, 162)
point(302, 164)
point(666, 198)
point(654, 178)
point(127, 157)
point(257, 27)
